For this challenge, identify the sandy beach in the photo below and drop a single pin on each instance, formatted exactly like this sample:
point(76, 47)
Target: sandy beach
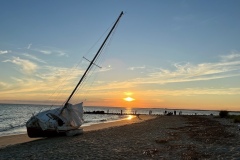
point(163, 137)
point(16, 139)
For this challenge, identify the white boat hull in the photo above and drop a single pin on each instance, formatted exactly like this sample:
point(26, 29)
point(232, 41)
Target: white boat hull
point(56, 123)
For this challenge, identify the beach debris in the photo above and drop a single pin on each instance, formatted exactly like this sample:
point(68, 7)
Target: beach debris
point(161, 140)
point(150, 152)
point(74, 132)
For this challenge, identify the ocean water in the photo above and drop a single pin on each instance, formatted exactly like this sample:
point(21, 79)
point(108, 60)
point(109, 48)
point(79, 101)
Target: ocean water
point(13, 117)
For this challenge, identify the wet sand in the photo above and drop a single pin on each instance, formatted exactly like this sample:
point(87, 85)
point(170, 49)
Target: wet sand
point(164, 137)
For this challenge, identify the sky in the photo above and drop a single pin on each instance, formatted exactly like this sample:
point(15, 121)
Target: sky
point(181, 54)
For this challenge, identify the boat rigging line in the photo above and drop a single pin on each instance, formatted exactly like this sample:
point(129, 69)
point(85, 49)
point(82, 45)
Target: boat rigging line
point(92, 62)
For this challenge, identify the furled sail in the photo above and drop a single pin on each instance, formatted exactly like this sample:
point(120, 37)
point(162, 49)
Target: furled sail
point(73, 115)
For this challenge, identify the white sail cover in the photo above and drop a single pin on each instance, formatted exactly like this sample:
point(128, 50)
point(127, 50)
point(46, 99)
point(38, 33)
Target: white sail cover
point(73, 115)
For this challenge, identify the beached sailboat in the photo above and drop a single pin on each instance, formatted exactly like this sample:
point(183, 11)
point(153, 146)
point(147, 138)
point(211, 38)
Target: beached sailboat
point(67, 119)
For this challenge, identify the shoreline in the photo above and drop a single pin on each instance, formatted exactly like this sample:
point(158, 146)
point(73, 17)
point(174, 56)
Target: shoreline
point(9, 140)
point(163, 137)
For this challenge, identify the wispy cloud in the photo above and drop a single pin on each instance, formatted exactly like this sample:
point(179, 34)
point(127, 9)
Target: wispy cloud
point(53, 84)
point(46, 78)
point(181, 72)
point(34, 58)
point(45, 51)
point(233, 56)
point(135, 68)
point(194, 72)
point(4, 86)
point(27, 67)
point(29, 46)
point(4, 51)
point(105, 69)
point(193, 92)
point(61, 53)
point(48, 51)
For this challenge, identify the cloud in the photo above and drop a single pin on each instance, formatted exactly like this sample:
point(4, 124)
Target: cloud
point(135, 68)
point(194, 91)
point(103, 69)
point(45, 51)
point(29, 46)
point(34, 58)
point(27, 67)
point(181, 72)
point(4, 86)
point(186, 72)
point(233, 56)
point(54, 84)
point(61, 53)
point(52, 51)
point(49, 77)
point(4, 52)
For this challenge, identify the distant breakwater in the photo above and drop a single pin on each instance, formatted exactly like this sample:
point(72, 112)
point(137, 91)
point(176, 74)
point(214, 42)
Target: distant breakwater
point(116, 113)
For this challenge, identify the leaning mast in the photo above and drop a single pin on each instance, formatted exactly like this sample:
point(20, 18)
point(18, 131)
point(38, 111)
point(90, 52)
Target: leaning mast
point(92, 62)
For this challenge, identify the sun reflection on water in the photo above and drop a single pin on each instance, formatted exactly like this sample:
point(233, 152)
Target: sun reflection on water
point(130, 117)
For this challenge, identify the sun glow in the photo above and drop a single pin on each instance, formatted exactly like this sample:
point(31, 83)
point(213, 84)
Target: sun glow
point(128, 93)
point(129, 99)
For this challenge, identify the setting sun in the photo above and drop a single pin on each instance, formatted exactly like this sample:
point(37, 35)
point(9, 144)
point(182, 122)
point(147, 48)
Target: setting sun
point(129, 99)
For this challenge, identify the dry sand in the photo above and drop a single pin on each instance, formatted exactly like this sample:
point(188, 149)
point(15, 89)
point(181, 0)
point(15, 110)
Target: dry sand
point(164, 137)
